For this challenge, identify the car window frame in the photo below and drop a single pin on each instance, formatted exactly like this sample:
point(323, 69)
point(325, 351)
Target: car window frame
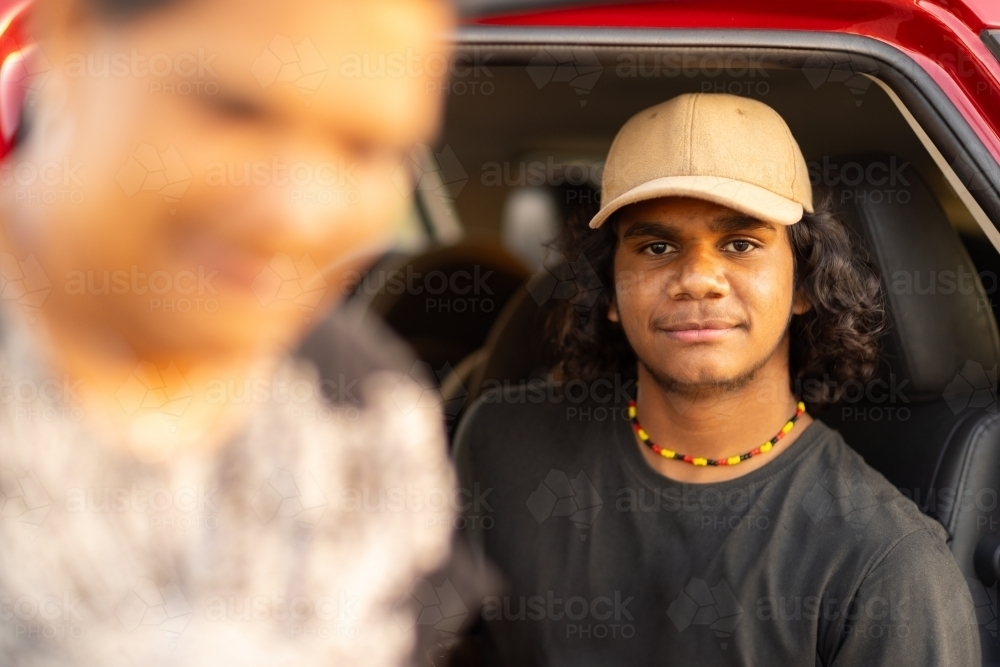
point(958, 151)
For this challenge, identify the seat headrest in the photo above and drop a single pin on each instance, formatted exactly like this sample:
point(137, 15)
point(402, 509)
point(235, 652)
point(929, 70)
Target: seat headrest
point(940, 318)
point(444, 301)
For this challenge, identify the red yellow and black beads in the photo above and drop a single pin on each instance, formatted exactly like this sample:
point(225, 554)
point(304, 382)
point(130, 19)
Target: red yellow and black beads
point(701, 461)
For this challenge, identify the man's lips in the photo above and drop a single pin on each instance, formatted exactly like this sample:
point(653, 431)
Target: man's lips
point(227, 262)
point(700, 331)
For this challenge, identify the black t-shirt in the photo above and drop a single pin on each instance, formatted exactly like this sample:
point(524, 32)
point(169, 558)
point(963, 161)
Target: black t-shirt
point(812, 559)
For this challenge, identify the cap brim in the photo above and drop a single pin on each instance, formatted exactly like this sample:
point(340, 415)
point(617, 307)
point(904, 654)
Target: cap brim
point(738, 195)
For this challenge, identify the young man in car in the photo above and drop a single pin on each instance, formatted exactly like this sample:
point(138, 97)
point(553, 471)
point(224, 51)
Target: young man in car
point(711, 520)
point(176, 487)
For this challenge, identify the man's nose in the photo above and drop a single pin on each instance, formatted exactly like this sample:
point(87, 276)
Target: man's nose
point(700, 275)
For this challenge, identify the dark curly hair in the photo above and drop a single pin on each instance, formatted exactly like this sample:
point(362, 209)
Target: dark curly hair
point(835, 342)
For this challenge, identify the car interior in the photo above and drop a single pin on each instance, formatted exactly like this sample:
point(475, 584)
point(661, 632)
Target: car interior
point(523, 147)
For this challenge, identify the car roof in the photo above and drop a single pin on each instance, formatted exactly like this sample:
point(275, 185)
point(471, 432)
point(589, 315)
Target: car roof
point(984, 12)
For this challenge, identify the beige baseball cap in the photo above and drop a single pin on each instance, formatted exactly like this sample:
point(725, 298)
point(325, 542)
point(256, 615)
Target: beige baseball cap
point(725, 149)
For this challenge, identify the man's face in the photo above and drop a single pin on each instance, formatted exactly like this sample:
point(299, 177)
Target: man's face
point(703, 292)
point(224, 163)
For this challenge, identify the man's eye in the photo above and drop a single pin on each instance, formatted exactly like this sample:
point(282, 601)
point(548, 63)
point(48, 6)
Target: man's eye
point(740, 246)
point(657, 248)
point(371, 153)
point(233, 107)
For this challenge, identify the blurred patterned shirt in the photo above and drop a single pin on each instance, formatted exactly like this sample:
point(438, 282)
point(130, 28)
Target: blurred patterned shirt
point(296, 543)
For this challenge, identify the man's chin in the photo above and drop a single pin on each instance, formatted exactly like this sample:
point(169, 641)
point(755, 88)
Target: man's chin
point(217, 336)
point(704, 383)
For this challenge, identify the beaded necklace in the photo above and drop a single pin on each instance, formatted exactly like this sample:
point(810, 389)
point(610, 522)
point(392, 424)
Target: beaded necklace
point(701, 461)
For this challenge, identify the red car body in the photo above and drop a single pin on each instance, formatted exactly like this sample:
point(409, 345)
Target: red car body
point(944, 37)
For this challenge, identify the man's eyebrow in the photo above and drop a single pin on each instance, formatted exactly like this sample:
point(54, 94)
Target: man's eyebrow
point(739, 223)
point(649, 229)
point(723, 225)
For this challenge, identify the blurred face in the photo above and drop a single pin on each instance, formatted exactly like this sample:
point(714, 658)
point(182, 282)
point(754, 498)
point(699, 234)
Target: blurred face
point(704, 293)
point(215, 167)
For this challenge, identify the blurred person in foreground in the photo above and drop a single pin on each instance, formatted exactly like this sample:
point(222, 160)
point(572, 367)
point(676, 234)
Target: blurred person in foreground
point(176, 488)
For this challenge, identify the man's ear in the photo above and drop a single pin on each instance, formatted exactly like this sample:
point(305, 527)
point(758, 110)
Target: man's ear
point(613, 311)
point(802, 304)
